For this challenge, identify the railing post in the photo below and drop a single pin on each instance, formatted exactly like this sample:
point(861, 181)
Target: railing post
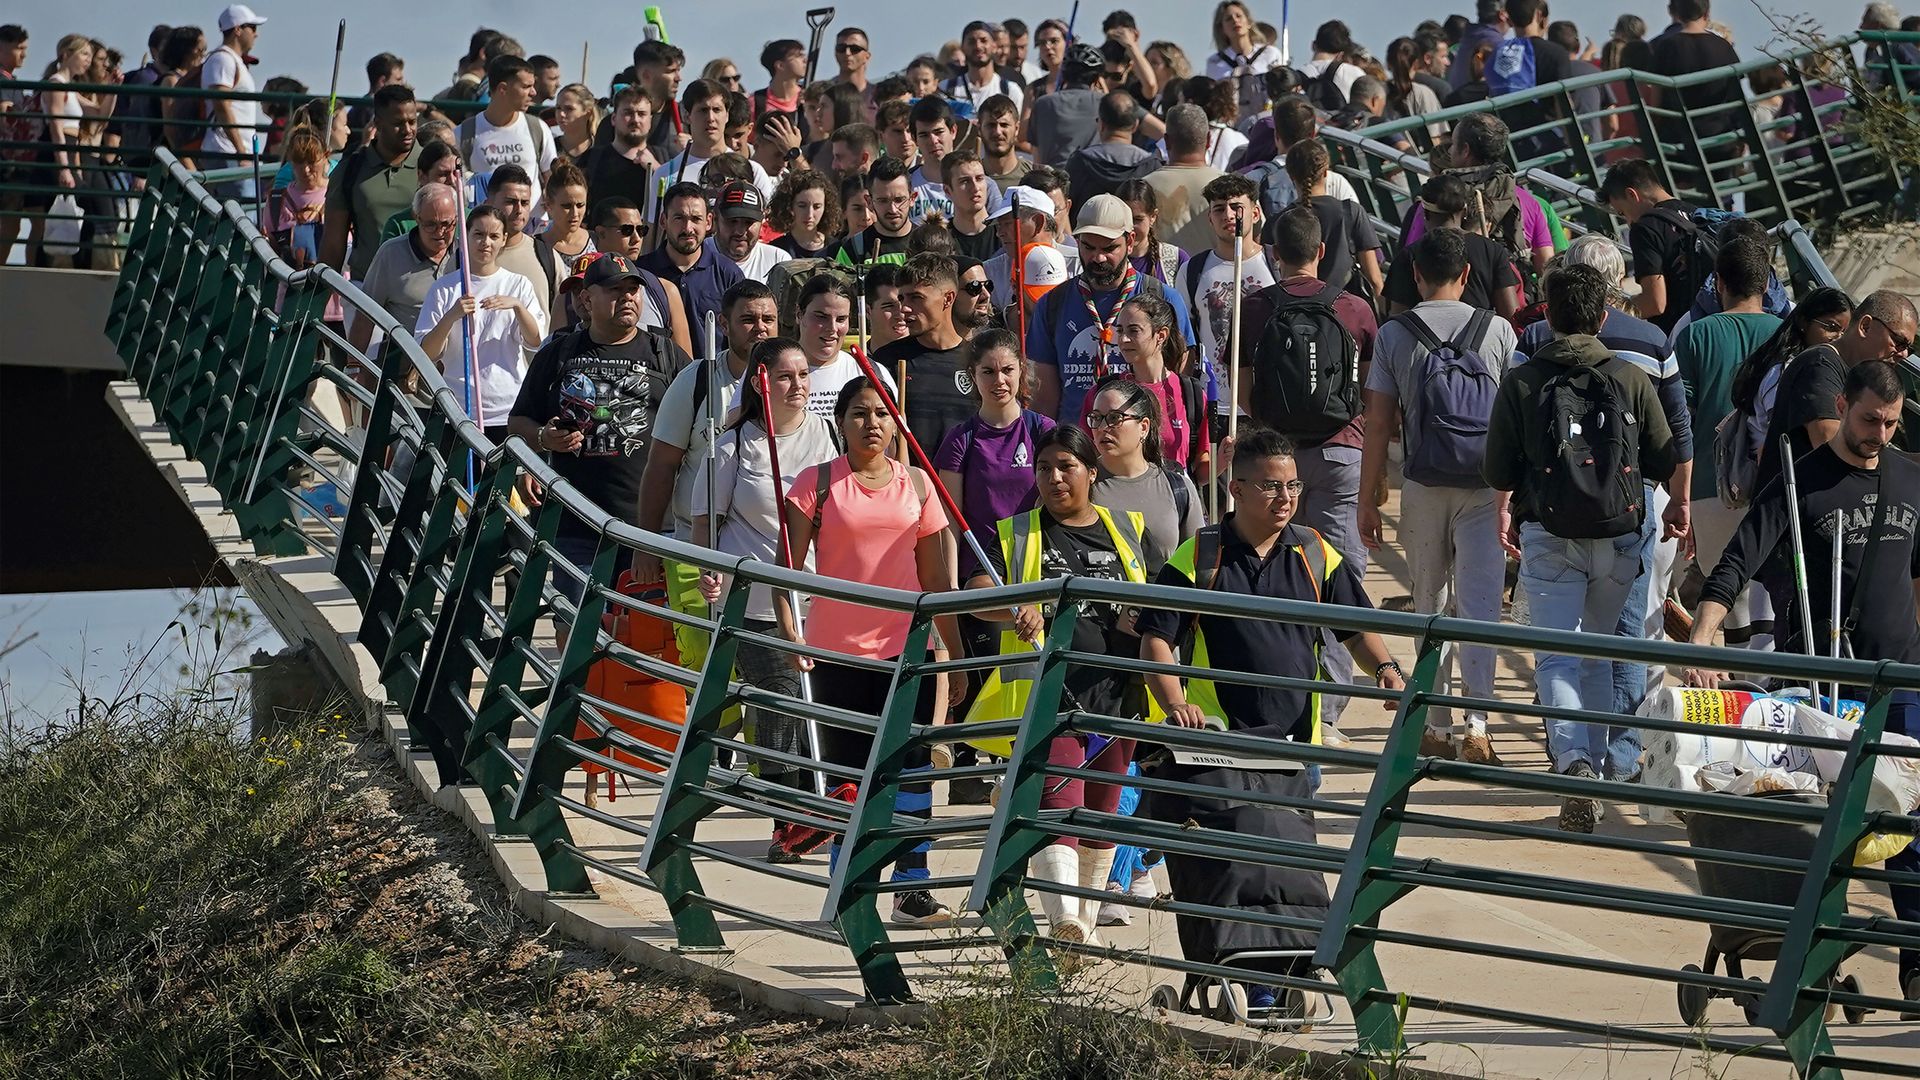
point(666, 857)
point(495, 717)
point(999, 885)
point(1578, 148)
point(446, 672)
point(1836, 183)
point(353, 563)
point(212, 301)
point(1809, 956)
point(533, 813)
point(141, 248)
point(1360, 898)
point(146, 345)
point(233, 337)
point(852, 903)
point(266, 512)
point(421, 564)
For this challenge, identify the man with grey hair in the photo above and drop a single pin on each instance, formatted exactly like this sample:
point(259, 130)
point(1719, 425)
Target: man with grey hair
point(1365, 104)
point(1180, 182)
point(405, 267)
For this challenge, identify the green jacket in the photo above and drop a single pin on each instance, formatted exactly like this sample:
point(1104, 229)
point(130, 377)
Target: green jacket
point(1518, 425)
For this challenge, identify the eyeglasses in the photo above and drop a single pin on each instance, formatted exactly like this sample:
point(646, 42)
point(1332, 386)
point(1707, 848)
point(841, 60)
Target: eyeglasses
point(1272, 488)
point(1110, 419)
point(1901, 345)
point(849, 48)
point(1831, 326)
point(978, 288)
point(438, 225)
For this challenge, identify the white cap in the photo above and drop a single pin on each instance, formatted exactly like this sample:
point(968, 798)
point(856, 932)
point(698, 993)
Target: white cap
point(1045, 267)
point(1031, 200)
point(239, 15)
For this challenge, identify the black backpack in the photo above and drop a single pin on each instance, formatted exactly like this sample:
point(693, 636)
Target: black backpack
point(1306, 367)
point(1585, 482)
point(1323, 92)
point(1702, 229)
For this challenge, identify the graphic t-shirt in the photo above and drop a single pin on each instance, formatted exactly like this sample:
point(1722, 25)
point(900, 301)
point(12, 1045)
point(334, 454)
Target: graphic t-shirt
point(743, 492)
point(511, 143)
point(681, 425)
point(498, 345)
point(612, 395)
point(939, 391)
point(996, 473)
point(1088, 551)
point(1206, 280)
point(825, 380)
point(1066, 334)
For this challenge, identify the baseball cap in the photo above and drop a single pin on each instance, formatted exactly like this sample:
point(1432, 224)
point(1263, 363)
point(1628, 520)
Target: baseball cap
point(239, 15)
point(1105, 216)
point(742, 199)
point(610, 269)
point(1031, 200)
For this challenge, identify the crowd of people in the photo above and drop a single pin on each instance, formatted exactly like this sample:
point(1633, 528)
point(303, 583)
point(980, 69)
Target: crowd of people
point(1046, 303)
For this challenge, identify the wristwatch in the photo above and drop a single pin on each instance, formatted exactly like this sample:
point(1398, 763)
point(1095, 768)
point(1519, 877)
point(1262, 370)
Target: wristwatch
point(793, 153)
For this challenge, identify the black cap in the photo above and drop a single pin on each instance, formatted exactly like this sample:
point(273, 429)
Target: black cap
point(610, 269)
point(742, 199)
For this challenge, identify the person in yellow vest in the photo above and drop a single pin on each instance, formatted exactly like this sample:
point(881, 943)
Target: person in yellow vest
point(1257, 550)
point(1067, 535)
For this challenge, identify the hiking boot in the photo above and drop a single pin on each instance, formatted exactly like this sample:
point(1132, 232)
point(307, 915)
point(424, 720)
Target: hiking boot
point(969, 791)
point(1438, 744)
point(919, 908)
point(1477, 749)
point(1579, 814)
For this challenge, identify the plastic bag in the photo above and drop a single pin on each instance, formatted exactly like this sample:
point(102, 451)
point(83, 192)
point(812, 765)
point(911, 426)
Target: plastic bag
point(62, 225)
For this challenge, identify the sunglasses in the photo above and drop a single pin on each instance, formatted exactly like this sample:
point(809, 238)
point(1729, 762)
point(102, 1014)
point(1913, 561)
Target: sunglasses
point(1901, 345)
point(978, 288)
point(628, 228)
point(849, 48)
point(731, 80)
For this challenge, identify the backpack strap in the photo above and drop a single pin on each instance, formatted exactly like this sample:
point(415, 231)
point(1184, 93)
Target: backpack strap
point(1475, 332)
point(544, 253)
point(822, 486)
point(1421, 332)
point(537, 132)
point(1313, 553)
point(1193, 397)
point(1176, 479)
point(1207, 548)
point(1195, 267)
point(464, 136)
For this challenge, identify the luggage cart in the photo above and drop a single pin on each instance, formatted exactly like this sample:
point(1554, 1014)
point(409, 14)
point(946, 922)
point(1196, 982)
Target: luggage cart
point(1293, 1010)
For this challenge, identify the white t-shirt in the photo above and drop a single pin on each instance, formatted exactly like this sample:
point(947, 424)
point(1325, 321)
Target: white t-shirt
point(679, 424)
point(511, 144)
point(1250, 70)
point(743, 491)
point(961, 89)
point(1213, 307)
point(759, 263)
point(1343, 79)
point(824, 383)
point(498, 348)
point(225, 69)
point(689, 168)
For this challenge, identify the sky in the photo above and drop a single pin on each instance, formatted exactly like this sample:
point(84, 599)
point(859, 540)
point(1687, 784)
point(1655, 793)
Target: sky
point(430, 34)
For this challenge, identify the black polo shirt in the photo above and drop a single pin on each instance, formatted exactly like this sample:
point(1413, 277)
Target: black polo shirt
point(1266, 646)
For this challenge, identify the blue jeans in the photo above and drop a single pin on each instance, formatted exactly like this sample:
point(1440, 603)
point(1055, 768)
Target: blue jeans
point(1630, 680)
point(1581, 585)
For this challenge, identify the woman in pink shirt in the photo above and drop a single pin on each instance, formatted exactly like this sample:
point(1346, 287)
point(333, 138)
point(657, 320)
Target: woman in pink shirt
point(878, 525)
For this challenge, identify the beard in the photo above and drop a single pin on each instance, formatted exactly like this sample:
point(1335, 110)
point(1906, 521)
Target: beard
point(1103, 277)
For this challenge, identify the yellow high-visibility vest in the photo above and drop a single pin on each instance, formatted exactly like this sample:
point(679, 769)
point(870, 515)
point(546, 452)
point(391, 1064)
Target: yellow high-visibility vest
point(1004, 697)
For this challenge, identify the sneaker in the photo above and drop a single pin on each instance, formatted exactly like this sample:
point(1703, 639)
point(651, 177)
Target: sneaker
point(919, 908)
point(1114, 914)
point(778, 851)
point(969, 791)
point(1437, 744)
point(1259, 998)
point(1331, 738)
point(1579, 815)
point(1477, 749)
point(941, 756)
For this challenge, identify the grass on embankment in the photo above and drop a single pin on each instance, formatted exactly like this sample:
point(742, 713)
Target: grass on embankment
point(176, 901)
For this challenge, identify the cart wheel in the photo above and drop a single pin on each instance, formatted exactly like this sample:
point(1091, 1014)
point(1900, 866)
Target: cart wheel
point(1295, 1005)
point(1233, 1004)
point(1853, 1013)
point(1750, 1003)
point(1165, 996)
point(1693, 999)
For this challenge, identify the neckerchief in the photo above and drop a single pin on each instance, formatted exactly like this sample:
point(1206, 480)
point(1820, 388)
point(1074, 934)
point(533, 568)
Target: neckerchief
point(1103, 328)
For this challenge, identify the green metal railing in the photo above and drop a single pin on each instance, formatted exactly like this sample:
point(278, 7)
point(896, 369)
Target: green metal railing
point(1803, 164)
point(228, 344)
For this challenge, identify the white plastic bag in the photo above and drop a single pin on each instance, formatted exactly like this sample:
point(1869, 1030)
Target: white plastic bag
point(62, 225)
point(1896, 781)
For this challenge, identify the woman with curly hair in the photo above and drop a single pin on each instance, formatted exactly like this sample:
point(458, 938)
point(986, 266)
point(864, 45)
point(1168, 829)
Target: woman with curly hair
point(806, 211)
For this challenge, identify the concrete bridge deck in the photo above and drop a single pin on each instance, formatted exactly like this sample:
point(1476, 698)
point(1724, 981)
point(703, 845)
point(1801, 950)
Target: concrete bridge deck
point(788, 971)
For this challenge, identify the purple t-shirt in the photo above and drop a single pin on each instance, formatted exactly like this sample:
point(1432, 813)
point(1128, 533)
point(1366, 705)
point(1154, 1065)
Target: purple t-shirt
point(996, 466)
point(1533, 222)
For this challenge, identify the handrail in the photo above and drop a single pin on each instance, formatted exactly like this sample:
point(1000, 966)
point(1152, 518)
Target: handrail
point(221, 336)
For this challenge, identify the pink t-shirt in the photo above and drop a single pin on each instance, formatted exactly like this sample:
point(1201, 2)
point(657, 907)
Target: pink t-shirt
point(866, 536)
point(1176, 427)
point(1533, 222)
